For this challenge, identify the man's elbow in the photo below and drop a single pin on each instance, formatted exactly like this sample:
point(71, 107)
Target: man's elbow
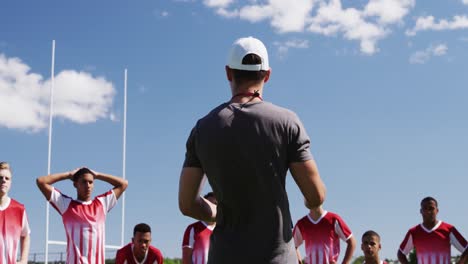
point(124, 185)
point(40, 182)
point(317, 200)
point(185, 208)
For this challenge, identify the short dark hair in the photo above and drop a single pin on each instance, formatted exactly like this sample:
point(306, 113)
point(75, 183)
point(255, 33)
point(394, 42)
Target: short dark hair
point(428, 199)
point(242, 76)
point(370, 233)
point(142, 228)
point(208, 195)
point(80, 173)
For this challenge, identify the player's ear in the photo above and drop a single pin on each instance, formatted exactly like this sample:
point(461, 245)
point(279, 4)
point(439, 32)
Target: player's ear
point(228, 73)
point(267, 76)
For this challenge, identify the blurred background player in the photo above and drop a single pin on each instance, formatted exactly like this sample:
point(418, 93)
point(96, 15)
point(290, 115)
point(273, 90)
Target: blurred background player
point(196, 242)
point(370, 245)
point(14, 222)
point(432, 238)
point(140, 250)
point(321, 232)
point(84, 218)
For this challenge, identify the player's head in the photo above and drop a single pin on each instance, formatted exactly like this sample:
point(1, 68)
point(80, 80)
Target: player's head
point(141, 239)
point(429, 209)
point(211, 197)
point(83, 180)
point(5, 178)
point(247, 62)
point(370, 244)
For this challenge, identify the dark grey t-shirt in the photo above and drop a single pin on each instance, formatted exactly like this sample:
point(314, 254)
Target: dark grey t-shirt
point(245, 151)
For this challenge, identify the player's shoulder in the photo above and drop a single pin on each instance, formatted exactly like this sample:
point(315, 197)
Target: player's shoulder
point(445, 225)
point(125, 248)
point(195, 225)
point(303, 220)
point(331, 216)
point(280, 111)
point(155, 251)
point(15, 203)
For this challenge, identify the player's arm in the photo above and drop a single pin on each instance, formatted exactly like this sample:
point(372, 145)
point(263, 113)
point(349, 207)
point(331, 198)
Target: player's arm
point(120, 256)
point(307, 178)
point(402, 257)
point(24, 247)
point(187, 255)
point(45, 182)
point(463, 257)
point(119, 183)
point(350, 247)
point(299, 257)
point(190, 202)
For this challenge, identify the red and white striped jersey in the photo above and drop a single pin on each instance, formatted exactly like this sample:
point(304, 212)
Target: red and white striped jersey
point(433, 246)
point(14, 225)
point(125, 256)
point(321, 237)
point(197, 237)
point(84, 225)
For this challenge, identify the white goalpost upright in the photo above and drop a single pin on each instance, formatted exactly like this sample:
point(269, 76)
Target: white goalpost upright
point(51, 107)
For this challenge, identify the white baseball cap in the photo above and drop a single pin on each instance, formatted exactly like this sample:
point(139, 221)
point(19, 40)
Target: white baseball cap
point(244, 46)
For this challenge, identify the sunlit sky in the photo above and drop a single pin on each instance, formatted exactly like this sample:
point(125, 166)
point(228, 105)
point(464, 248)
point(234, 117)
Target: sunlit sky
point(380, 85)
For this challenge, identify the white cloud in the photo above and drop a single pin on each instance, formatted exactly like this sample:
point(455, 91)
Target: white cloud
point(283, 47)
point(389, 11)
point(422, 56)
point(428, 23)
point(324, 17)
point(285, 16)
point(78, 96)
point(465, 2)
point(217, 3)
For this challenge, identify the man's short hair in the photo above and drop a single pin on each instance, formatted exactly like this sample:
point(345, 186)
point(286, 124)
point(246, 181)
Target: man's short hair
point(4, 166)
point(428, 199)
point(142, 228)
point(243, 76)
point(208, 195)
point(80, 173)
point(370, 233)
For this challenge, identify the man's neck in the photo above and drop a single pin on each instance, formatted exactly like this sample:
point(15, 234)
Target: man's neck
point(316, 213)
point(4, 200)
point(247, 94)
point(372, 260)
point(430, 224)
point(139, 258)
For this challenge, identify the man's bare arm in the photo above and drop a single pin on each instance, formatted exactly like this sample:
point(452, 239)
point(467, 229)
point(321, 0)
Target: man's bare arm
point(190, 202)
point(308, 180)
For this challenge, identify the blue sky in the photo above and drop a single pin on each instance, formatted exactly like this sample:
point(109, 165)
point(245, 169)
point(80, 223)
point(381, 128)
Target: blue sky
point(379, 84)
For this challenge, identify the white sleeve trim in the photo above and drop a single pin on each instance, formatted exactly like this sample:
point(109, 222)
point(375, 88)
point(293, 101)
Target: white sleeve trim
point(108, 201)
point(60, 201)
point(298, 240)
point(456, 243)
point(408, 246)
point(25, 230)
point(340, 233)
point(191, 241)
